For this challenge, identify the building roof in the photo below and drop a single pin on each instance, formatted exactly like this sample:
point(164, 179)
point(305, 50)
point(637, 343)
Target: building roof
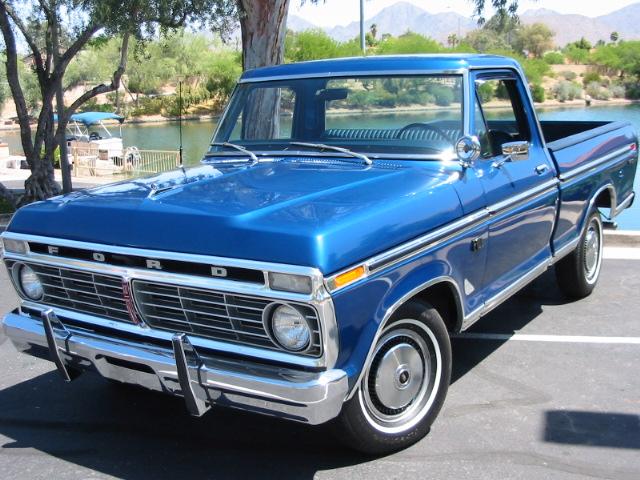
point(379, 64)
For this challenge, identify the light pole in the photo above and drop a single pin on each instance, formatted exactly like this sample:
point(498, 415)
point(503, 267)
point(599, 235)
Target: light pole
point(180, 79)
point(363, 45)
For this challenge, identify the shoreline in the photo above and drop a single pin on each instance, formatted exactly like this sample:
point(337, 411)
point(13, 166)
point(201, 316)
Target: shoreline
point(157, 119)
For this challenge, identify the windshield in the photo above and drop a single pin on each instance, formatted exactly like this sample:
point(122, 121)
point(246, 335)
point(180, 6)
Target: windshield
point(374, 115)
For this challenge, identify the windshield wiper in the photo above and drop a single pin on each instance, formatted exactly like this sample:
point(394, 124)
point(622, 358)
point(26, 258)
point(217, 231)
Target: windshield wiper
point(322, 146)
point(249, 153)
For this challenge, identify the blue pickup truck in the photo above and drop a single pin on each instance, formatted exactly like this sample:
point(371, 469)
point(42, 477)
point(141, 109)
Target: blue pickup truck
point(348, 217)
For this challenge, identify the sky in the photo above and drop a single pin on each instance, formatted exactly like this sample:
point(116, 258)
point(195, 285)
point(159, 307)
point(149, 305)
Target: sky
point(342, 12)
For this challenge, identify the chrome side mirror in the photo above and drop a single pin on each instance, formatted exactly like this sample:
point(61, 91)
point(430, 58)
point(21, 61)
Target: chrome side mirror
point(468, 150)
point(513, 152)
point(516, 150)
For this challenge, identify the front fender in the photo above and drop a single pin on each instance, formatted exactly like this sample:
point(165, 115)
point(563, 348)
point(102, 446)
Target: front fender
point(363, 308)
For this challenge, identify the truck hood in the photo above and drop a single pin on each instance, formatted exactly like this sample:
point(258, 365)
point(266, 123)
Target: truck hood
point(324, 214)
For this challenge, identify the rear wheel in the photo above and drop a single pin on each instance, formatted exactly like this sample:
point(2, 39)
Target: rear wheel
point(579, 271)
point(404, 385)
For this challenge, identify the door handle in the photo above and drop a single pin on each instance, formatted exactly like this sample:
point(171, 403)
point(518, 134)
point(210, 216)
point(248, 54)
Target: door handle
point(540, 169)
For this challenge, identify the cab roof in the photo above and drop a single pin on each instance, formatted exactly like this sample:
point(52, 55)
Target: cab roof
point(379, 64)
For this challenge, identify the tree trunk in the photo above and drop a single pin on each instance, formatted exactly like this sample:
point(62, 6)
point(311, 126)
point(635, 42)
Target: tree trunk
point(62, 118)
point(263, 24)
point(41, 183)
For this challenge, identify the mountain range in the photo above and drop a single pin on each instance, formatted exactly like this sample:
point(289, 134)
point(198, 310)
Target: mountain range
point(402, 16)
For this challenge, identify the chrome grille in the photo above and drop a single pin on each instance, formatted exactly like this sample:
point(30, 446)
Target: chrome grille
point(83, 292)
point(211, 314)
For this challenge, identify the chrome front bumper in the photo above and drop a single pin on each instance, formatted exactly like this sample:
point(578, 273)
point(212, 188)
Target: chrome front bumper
point(204, 381)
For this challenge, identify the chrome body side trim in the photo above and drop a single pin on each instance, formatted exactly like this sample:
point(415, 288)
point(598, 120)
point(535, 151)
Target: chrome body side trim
point(507, 293)
point(594, 197)
point(583, 169)
point(566, 249)
point(623, 205)
point(435, 238)
point(310, 397)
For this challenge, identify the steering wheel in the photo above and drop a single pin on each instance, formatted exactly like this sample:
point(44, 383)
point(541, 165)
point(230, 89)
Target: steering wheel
point(425, 126)
point(94, 136)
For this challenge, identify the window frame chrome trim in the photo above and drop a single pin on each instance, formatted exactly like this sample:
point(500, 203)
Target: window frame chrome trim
point(355, 74)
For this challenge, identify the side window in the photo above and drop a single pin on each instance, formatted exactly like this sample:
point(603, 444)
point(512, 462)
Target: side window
point(268, 115)
point(482, 131)
point(502, 109)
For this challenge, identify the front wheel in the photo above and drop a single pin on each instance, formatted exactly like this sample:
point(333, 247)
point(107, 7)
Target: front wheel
point(403, 386)
point(579, 271)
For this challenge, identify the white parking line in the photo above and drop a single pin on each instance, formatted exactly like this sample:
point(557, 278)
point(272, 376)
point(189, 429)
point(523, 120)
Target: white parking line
point(521, 337)
point(621, 253)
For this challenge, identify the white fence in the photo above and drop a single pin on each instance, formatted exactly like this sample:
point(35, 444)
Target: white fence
point(88, 161)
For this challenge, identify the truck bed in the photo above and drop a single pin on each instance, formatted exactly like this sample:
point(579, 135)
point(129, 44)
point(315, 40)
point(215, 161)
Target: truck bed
point(595, 160)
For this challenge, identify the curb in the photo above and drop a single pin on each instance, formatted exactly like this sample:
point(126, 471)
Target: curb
point(621, 238)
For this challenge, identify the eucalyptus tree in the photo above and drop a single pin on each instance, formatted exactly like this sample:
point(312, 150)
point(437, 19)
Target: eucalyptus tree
point(54, 32)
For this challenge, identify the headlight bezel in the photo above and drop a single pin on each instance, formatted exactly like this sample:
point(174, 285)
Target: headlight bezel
point(17, 270)
point(268, 319)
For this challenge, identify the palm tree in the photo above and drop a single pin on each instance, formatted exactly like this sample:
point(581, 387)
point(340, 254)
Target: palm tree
point(374, 30)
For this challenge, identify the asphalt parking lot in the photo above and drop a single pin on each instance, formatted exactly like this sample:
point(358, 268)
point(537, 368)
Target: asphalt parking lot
point(542, 388)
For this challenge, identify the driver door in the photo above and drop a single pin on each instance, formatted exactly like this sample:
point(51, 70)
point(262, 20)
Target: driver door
point(520, 189)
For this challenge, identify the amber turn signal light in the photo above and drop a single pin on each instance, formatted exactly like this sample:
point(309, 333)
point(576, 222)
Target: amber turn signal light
point(348, 277)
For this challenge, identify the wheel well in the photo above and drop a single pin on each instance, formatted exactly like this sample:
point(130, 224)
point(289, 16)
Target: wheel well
point(444, 298)
point(603, 200)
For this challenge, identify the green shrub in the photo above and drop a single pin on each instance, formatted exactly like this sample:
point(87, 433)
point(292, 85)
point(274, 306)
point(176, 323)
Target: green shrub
point(6, 207)
point(486, 92)
point(443, 95)
point(569, 75)
point(597, 91)
point(617, 91)
point(537, 92)
point(148, 106)
point(225, 71)
point(632, 90)
point(93, 106)
point(554, 58)
point(564, 91)
point(408, 43)
point(591, 77)
point(535, 69)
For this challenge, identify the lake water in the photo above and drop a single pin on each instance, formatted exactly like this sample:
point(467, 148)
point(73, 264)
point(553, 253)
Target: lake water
point(197, 135)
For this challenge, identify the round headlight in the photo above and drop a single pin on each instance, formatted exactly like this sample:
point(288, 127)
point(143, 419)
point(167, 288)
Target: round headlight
point(290, 328)
point(30, 283)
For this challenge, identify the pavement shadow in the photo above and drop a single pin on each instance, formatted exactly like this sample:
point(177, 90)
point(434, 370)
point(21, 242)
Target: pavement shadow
point(508, 318)
point(594, 429)
point(137, 434)
point(132, 433)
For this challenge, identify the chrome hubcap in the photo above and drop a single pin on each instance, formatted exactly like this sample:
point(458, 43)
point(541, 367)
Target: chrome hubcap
point(592, 251)
point(399, 376)
point(402, 380)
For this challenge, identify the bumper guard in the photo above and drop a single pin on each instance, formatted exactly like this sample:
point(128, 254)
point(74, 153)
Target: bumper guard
point(203, 381)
